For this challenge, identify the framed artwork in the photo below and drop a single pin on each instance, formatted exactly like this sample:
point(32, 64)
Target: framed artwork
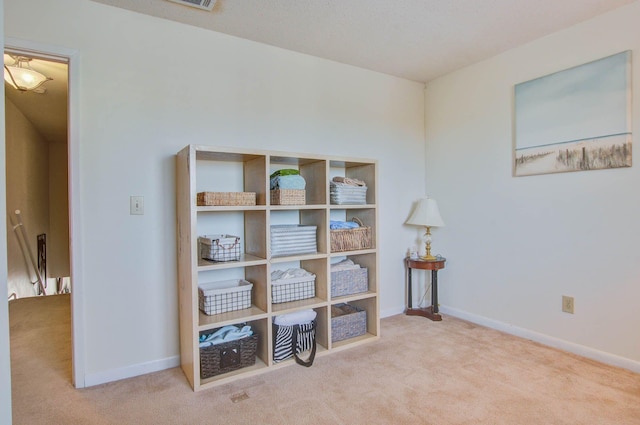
point(575, 120)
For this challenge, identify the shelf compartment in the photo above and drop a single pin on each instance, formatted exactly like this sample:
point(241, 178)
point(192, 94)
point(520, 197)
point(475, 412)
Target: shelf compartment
point(365, 171)
point(257, 275)
point(366, 215)
point(322, 332)
point(249, 225)
point(370, 305)
point(317, 266)
point(260, 327)
point(368, 261)
point(313, 170)
point(231, 171)
point(307, 217)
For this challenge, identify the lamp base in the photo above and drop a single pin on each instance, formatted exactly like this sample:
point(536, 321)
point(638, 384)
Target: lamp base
point(427, 258)
point(424, 312)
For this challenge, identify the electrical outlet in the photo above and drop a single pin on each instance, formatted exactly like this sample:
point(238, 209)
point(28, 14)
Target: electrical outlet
point(567, 304)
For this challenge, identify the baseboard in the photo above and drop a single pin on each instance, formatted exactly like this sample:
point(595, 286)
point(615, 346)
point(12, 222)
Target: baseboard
point(111, 375)
point(391, 312)
point(581, 350)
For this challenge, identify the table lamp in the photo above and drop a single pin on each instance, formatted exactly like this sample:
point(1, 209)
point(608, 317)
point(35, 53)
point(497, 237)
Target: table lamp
point(426, 214)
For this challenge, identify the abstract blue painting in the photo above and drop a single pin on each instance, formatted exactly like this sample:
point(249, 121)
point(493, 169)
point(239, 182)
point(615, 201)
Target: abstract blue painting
point(575, 120)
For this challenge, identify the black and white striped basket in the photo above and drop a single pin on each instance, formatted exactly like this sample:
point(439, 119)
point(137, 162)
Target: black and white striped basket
point(289, 341)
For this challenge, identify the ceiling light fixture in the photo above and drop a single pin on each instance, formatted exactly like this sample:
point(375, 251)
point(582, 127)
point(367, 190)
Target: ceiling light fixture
point(21, 76)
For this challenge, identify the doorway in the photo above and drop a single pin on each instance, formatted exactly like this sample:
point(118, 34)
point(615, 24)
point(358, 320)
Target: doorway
point(37, 177)
point(39, 135)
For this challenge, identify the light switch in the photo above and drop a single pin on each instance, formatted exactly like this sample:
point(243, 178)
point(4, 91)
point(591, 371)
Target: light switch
point(136, 205)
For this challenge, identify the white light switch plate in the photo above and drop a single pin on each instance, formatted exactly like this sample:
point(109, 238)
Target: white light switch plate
point(136, 205)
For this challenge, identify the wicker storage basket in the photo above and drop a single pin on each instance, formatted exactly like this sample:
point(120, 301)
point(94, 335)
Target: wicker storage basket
point(219, 247)
point(228, 356)
point(347, 321)
point(293, 239)
point(293, 289)
point(347, 282)
point(288, 197)
point(226, 199)
point(227, 295)
point(351, 239)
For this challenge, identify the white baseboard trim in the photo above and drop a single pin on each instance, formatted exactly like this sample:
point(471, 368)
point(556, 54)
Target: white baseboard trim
point(111, 375)
point(581, 350)
point(391, 312)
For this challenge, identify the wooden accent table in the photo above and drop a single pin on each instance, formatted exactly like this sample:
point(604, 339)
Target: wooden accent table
point(430, 312)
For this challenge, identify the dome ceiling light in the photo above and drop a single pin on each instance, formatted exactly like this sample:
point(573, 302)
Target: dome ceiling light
point(21, 76)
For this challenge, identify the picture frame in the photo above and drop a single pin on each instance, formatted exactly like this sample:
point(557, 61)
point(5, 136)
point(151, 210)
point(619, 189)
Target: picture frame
point(577, 119)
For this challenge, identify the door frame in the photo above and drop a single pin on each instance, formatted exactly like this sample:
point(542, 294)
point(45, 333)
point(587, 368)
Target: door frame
point(75, 217)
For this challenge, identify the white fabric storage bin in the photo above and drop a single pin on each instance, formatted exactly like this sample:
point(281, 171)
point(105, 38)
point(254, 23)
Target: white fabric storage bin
point(293, 289)
point(222, 296)
point(219, 247)
point(293, 239)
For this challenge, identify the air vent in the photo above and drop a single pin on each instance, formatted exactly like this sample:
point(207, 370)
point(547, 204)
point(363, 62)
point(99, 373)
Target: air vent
point(200, 4)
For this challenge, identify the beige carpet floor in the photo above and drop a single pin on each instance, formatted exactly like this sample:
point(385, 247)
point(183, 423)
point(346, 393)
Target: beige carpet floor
point(419, 372)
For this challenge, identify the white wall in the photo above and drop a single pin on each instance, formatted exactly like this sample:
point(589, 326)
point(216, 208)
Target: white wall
point(27, 188)
point(138, 107)
point(516, 245)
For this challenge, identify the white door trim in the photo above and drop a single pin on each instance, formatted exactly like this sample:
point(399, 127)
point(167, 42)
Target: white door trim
point(75, 216)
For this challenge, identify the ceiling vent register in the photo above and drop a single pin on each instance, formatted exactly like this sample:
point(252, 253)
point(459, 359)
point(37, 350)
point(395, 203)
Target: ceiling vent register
point(200, 4)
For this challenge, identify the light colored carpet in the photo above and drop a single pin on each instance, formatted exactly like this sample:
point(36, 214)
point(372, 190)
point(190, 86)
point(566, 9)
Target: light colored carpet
point(420, 372)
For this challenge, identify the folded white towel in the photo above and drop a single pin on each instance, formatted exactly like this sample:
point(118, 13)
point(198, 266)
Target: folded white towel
point(297, 318)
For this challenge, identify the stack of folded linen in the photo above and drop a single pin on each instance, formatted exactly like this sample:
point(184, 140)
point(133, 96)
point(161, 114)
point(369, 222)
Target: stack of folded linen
point(344, 190)
point(287, 179)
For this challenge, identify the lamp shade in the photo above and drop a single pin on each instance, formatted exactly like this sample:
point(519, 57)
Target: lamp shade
point(426, 214)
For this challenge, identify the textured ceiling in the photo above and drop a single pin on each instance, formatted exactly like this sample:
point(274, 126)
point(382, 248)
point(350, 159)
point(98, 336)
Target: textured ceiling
point(414, 39)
